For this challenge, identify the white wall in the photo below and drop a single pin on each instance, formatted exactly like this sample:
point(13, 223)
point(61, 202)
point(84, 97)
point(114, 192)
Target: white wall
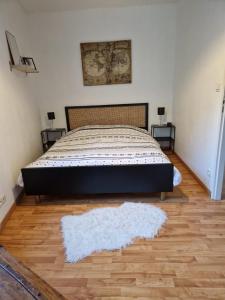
point(200, 66)
point(56, 39)
point(19, 115)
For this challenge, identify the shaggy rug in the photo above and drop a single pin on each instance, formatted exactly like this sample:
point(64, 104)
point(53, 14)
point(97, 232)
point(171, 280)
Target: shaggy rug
point(109, 228)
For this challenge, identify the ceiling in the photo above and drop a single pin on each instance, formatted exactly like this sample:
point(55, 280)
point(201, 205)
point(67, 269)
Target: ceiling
point(35, 6)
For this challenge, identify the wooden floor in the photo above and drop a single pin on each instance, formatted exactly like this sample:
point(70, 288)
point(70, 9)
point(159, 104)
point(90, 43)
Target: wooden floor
point(186, 261)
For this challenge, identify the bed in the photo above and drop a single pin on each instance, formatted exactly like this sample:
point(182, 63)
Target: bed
point(107, 150)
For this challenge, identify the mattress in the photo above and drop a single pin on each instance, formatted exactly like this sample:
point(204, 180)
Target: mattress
point(104, 145)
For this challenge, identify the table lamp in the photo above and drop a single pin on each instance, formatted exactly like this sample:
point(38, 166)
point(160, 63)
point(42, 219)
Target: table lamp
point(51, 117)
point(161, 113)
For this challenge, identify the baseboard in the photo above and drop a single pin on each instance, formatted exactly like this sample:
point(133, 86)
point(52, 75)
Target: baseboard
point(194, 175)
point(18, 199)
point(7, 216)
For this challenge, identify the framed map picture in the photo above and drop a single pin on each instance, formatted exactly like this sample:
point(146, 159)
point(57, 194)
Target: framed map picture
point(106, 62)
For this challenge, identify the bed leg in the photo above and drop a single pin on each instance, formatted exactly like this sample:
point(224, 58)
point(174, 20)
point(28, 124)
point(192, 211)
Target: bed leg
point(162, 196)
point(37, 199)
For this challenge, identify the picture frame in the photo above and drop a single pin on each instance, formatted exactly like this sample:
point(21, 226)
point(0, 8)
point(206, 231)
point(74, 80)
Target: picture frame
point(13, 49)
point(28, 61)
point(106, 63)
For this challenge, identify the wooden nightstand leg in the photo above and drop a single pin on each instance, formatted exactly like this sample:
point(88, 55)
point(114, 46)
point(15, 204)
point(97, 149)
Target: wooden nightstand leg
point(37, 199)
point(162, 196)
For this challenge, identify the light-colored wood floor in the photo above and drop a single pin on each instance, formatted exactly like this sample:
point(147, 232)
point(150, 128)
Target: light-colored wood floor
point(186, 260)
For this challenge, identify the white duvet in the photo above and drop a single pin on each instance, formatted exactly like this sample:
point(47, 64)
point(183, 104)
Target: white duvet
point(99, 145)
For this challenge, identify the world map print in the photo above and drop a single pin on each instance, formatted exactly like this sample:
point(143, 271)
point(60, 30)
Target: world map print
point(106, 62)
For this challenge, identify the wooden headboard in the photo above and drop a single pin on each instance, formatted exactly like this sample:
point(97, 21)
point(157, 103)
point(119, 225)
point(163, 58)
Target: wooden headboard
point(135, 114)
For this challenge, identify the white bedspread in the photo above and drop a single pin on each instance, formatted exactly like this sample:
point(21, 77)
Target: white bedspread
point(99, 145)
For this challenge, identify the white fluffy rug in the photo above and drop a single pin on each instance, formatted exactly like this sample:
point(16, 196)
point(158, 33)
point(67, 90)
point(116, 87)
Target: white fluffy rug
point(109, 228)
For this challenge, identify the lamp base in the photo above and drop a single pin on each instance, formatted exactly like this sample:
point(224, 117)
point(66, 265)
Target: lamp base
point(161, 120)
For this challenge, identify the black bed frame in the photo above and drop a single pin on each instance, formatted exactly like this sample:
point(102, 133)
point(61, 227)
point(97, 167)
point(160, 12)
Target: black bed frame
point(99, 179)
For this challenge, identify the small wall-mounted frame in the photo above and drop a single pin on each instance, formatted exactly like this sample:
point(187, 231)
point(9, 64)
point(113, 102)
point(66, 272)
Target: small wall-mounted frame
point(28, 61)
point(22, 64)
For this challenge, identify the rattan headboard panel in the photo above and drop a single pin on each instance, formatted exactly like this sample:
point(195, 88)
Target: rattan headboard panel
point(123, 114)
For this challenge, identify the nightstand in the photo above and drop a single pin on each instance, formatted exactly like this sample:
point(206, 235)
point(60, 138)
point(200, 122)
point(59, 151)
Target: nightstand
point(165, 135)
point(50, 136)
